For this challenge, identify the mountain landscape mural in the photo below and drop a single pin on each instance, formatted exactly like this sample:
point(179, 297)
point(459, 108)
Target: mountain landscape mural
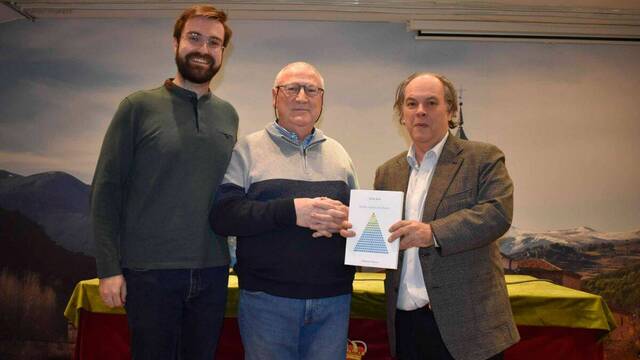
point(47, 248)
point(55, 200)
point(45, 241)
point(59, 203)
point(36, 279)
point(582, 250)
point(603, 263)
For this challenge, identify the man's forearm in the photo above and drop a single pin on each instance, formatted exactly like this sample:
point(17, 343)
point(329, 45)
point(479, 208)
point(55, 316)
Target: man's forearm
point(235, 215)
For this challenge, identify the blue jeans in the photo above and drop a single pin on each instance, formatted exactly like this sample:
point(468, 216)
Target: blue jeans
point(274, 327)
point(175, 314)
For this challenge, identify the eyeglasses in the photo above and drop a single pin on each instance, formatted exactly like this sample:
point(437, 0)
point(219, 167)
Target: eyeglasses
point(197, 39)
point(294, 89)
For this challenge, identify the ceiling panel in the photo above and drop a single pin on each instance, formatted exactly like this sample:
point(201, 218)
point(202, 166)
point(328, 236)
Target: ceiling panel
point(596, 17)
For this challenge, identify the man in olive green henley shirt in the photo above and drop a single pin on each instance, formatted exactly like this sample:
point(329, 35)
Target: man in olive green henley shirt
point(162, 159)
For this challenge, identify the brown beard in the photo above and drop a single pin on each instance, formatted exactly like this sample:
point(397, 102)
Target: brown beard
point(196, 75)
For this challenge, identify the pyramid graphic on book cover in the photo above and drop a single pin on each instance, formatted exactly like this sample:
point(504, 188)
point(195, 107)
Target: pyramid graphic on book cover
point(371, 240)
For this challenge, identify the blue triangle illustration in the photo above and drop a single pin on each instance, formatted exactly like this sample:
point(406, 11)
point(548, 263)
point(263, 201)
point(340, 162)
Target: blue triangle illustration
point(371, 240)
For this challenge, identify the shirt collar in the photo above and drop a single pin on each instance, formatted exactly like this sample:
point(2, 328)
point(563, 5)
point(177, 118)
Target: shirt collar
point(182, 92)
point(294, 137)
point(436, 151)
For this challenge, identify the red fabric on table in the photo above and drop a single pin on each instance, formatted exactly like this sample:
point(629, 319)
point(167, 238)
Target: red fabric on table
point(102, 337)
point(374, 334)
point(230, 344)
point(549, 343)
point(106, 337)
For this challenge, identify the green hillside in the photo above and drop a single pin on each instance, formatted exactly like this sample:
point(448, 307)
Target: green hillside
point(619, 288)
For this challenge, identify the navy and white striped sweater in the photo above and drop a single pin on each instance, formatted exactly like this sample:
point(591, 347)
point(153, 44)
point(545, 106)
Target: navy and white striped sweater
point(255, 203)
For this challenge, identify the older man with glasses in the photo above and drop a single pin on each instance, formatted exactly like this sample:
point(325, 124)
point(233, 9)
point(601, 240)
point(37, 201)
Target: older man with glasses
point(283, 197)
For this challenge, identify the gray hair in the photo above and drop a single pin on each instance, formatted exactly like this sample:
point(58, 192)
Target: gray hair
point(276, 82)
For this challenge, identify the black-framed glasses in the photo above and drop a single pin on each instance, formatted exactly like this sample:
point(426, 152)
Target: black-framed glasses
point(293, 89)
point(197, 39)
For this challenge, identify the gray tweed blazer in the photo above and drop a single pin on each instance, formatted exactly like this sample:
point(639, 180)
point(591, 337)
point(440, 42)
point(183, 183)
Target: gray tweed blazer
point(469, 206)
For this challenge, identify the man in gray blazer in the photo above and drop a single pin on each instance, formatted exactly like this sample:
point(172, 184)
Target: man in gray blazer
point(448, 298)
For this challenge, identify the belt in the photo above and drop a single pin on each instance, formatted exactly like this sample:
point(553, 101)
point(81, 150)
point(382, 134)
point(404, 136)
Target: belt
point(426, 308)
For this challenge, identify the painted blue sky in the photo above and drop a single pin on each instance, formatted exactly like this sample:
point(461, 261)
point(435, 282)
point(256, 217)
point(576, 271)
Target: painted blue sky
point(563, 114)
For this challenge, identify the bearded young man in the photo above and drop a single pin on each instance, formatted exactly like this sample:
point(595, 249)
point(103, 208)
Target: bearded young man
point(162, 159)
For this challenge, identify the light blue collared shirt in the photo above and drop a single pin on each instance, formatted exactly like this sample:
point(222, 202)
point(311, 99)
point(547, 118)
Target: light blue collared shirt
point(412, 293)
point(294, 137)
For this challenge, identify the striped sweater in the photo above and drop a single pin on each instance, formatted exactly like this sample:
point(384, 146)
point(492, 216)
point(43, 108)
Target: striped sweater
point(255, 203)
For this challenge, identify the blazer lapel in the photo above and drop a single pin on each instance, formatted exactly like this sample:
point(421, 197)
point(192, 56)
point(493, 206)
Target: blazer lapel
point(400, 182)
point(446, 169)
point(401, 175)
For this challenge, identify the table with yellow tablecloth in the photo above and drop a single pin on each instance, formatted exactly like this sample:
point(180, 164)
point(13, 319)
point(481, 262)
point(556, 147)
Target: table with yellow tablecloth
point(551, 319)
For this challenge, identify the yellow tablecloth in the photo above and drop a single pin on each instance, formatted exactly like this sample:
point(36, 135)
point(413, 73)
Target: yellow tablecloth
point(539, 302)
point(534, 302)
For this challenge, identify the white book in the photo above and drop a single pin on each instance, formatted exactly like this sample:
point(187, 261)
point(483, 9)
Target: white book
point(372, 212)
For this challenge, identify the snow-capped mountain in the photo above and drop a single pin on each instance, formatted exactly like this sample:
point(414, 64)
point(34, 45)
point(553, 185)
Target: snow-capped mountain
point(517, 240)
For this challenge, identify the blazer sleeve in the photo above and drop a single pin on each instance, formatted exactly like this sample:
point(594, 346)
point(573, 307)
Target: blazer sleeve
point(490, 215)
